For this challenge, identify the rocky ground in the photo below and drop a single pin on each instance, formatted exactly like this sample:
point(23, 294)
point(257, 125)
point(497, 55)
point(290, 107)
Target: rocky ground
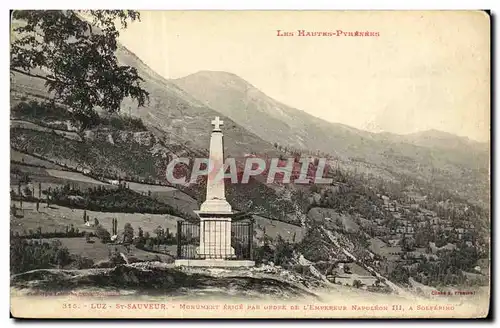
point(157, 279)
point(270, 286)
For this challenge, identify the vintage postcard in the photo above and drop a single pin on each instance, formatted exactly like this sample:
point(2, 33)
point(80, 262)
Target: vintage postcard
point(249, 164)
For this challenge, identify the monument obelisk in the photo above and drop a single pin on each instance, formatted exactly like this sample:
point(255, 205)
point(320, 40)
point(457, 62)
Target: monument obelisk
point(215, 213)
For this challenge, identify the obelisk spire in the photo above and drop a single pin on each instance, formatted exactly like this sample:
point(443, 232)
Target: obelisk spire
point(216, 197)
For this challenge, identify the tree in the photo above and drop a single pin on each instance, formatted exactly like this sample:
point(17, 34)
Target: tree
point(20, 195)
point(27, 191)
point(128, 233)
point(25, 178)
point(159, 232)
point(422, 237)
point(140, 241)
point(76, 49)
point(408, 244)
point(87, 237)
point(114, 222)
point(116, 257)
point(357, 283)
point(399, 274)
point(283, 251)
point(314, 188)
point(102, 234)
point(62, 257)
point(83, 262)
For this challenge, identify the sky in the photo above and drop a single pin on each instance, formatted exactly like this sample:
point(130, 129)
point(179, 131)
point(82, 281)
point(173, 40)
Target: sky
point(424, 70)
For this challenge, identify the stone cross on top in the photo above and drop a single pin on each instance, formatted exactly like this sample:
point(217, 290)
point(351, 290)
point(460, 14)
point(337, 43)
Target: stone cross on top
point(217, 123)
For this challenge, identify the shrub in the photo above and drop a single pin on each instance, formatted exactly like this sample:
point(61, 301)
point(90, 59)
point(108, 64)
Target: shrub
point(29, 255)
point(283, 252)
point(263, 254)
point(103, 234)
point(128, 233)
point(83, 262)
point(87, 237)
point(116, 258)
point(35, 109)
point(123, 122)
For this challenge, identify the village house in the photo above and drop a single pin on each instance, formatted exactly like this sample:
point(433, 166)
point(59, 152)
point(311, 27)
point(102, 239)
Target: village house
point(421, 224)
point(394, 242)
point(348, 273)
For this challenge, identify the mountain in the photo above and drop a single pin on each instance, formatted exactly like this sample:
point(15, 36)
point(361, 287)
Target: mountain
point(444, 140)
point(274, 121)
point(264, 116)
point(448, 160)
point(176, 112)
point(170, 110)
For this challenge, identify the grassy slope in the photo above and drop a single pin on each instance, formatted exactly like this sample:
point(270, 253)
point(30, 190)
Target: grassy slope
point(99, 252)
point(58, 217)
point(135, 158)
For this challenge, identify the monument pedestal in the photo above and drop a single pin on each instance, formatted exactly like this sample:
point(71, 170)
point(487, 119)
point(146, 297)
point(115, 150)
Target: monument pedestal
point(215, 206)
point(215, 263)
point(215, 230)
point(215, 239)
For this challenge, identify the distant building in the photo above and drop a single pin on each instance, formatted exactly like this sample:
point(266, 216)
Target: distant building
point(394, 242)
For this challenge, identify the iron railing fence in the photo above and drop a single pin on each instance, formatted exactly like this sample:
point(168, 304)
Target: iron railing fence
point(188, 240)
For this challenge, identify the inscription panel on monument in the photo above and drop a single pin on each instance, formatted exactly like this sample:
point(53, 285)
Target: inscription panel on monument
point(215, 241)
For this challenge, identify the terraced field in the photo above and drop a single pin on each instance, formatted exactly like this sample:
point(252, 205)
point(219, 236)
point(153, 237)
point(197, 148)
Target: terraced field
point(58, 217)
point(98, 251)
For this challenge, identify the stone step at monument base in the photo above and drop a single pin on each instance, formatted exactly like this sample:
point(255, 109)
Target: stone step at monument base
point(215, 252)
point(215, 263)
